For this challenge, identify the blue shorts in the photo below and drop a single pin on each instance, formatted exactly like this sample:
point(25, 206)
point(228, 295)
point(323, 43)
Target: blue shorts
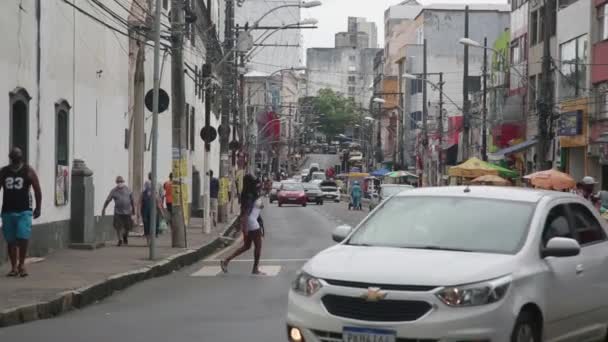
point(17, 226)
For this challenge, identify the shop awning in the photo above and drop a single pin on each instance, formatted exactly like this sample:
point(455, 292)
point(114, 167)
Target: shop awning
point(380, 172)
point(498, 155)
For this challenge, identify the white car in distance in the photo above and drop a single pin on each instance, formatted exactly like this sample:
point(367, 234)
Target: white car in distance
point(459, 264)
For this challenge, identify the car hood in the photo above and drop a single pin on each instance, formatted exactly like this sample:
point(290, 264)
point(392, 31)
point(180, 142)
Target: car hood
point(401, 266)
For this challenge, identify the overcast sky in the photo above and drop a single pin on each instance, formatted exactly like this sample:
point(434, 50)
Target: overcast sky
point(333, 15)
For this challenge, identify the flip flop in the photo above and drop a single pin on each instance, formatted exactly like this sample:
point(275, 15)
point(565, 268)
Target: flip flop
point(23, 274)
point(12, 274)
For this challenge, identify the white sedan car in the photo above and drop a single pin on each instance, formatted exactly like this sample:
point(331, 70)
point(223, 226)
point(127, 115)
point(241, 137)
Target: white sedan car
point(460, 264)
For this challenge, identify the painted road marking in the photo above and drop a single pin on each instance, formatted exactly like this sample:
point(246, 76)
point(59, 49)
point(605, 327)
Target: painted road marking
point(207, 271)
point(214, 271)
point(261, 260)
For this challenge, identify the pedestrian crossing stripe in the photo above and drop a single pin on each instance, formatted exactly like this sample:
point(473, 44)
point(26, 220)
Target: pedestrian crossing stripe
point(214, 271)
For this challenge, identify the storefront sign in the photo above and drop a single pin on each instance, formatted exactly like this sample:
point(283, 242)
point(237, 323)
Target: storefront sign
point(570, 124)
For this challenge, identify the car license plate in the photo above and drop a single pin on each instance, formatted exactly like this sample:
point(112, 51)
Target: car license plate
point(292, 199)
point(351, 334)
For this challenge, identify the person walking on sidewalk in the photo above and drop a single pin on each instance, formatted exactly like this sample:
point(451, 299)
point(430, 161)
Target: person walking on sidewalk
point(251, 224)
point(148, 199)
point(168, 187)
point(16, 179)
point(214, 190)
point(124, 209)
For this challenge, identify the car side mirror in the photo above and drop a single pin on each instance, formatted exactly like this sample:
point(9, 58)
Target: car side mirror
point(341, 232)
point(560, 247)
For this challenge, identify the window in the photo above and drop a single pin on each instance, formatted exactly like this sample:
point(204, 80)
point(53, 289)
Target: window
point(587, 229)
point(416, 86)
point(62, 132)
point(351, 90)
point(515, 52)
point(556, 224)
point(411, 222)
point(165, 4)
point(534, 28)
point(351, 58)
point(352, 79)
point(192, 128)
point(62, 156)
point(187, 128)
point(415, 118)
point(19, 100)
point(602, 18)
point(541, 24)
point(573, 56)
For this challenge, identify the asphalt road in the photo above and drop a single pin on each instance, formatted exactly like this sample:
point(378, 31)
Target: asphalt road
point(324, 160)
point(200, 304)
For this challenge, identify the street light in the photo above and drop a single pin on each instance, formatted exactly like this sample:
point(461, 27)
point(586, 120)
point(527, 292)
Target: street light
point(470, 42)
point(262, 38)
point(379, 100)
point(369, 118)
point(308, 4)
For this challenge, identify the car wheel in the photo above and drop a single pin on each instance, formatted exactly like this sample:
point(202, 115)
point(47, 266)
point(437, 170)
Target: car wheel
point(303, 204)
point(280, 204)
point(527, 328)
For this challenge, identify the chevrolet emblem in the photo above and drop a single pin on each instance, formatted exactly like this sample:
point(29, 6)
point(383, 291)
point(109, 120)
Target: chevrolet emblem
point(374, 294)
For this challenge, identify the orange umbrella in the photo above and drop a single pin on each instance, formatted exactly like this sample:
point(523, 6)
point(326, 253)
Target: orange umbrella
point(491, 180)
point(551, 180)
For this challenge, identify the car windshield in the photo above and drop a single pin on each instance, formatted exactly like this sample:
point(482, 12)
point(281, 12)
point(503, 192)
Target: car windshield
point(310, 186)
point(292, 187)
point(276, 185)
point(389, 191)
point(451, 223)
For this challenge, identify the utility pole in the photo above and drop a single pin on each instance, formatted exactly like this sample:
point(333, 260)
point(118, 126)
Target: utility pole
point(440, 124)
point(207, 74)
point(484, 128)
point(227, 97)
point(154, 213)
point(178, 139)
point(425, 115)
point(544, 105)
point(465, 91)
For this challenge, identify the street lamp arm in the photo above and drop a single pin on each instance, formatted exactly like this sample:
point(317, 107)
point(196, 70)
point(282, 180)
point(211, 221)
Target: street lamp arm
point(257, 22)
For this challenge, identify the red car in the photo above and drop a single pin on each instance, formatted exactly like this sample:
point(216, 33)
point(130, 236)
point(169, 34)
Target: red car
point(292, 193)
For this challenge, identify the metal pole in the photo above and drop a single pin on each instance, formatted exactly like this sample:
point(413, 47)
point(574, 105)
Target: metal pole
point(484, 128)
point(465, 90)
point(440, 162)
point(153, 213)
point(178, 139)
point(425, 115)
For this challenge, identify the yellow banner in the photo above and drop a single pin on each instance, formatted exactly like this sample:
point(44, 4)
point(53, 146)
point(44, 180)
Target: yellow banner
point(224, 189)
point(180, 168)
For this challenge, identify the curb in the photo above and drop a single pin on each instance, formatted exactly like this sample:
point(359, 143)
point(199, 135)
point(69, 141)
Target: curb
point(93, 293)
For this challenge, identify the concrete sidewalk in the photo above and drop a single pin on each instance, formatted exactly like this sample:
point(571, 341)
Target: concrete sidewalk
point(70, 278)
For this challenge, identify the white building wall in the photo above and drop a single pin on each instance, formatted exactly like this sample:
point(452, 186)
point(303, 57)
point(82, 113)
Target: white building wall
point(87, 65)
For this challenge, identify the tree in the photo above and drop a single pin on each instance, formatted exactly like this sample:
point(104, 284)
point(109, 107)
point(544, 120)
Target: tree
point(336, 112)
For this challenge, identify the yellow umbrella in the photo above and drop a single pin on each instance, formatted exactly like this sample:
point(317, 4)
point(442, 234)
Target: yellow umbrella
point(491, 180)
point(472, 168)
point(551, 180)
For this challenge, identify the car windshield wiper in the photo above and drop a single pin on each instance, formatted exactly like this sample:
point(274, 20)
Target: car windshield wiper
point(438, 248)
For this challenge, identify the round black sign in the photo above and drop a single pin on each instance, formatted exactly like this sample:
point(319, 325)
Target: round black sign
point(234, 145)
point(208, 134)
point(163, 100)
point(223, 130)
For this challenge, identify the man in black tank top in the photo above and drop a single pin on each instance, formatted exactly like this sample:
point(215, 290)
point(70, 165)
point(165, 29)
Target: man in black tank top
point(16, 179)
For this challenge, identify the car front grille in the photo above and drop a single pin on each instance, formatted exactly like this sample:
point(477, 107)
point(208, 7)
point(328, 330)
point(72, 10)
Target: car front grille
point(326, 336)
point(381, 311)
point(388, 287)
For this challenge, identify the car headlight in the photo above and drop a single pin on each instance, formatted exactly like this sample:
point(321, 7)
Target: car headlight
point(486, 292)
point(306, 285)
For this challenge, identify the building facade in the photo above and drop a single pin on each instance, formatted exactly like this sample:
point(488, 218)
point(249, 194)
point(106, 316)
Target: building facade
point(73, 98)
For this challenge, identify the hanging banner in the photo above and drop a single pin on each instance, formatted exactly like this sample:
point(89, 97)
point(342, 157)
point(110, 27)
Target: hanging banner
point(62, 181)
point(224, 188)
